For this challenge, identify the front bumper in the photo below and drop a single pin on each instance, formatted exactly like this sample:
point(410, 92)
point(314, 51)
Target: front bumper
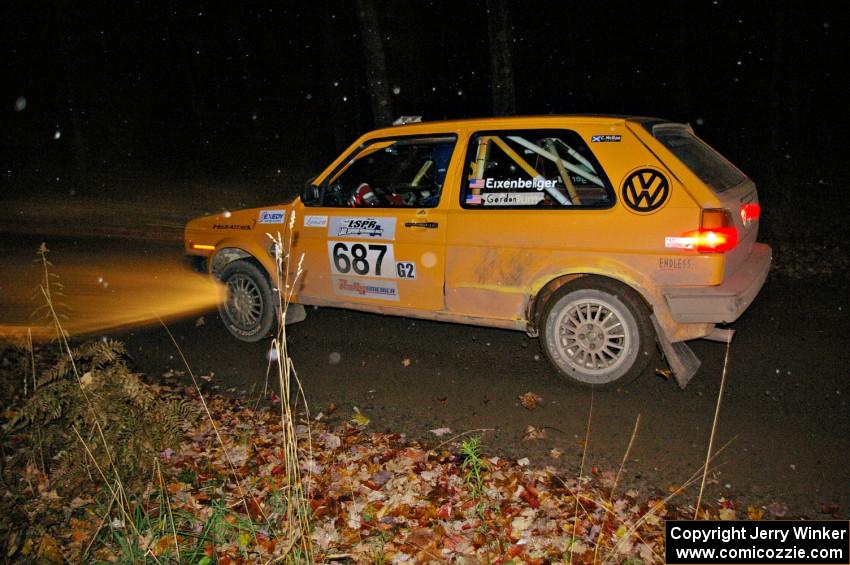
point(723, 303)
point(196, 263)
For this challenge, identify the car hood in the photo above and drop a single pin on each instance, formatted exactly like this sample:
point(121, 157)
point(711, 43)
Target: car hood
point(265, 218)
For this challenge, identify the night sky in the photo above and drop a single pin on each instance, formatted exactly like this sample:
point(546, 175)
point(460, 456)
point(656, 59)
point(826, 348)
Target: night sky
point(248, 88)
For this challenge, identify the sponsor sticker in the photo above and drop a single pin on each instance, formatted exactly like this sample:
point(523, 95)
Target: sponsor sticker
point(675, 263)
point(605, 138)
point(362, 259)
point(359, 288)
point(231, 227)
point(645, 190)
point(477, 183)
point(473, 199)
point(537, 183)
point(272, 216)
point(679, 242)
point(405, 270)
point(512, 198)
point(362, 228)
point(315, 221)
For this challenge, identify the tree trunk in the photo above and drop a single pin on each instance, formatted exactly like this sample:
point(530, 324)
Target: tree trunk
point(334, 78)
point(501, 60)
point(376, 66)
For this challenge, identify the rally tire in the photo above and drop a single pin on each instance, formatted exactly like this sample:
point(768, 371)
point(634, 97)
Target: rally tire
point(249, 311)
point(597, 332)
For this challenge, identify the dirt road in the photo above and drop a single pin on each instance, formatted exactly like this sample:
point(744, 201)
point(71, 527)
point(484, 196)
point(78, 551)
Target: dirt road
point(784, 416)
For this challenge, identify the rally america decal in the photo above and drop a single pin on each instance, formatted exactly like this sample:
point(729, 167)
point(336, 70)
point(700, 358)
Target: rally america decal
point(359, 288)
point(362, 228)
point(272, 216)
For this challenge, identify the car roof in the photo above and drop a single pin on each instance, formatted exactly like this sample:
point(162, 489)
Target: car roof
point(507, 121)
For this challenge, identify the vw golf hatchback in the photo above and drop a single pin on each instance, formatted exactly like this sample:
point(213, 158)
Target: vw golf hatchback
point(610, 238)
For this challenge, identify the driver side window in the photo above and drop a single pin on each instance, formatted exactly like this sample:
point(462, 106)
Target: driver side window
point(392, 173)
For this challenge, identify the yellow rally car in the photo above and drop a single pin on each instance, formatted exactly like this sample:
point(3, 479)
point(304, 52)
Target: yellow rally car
point(603, 235)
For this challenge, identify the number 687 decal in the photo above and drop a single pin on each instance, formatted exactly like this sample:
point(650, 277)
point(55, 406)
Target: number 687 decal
point(362, 259)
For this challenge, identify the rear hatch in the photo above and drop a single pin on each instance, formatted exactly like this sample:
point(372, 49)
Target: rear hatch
point(735, 191)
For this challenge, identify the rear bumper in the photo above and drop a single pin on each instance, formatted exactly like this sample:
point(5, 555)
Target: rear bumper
point(725, 302)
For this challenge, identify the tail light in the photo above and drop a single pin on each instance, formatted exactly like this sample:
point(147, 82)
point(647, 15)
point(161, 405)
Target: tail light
point(749, 213)
point(716, 234)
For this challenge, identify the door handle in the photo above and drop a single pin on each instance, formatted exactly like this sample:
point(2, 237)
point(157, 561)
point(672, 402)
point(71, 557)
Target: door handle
point(426, 225)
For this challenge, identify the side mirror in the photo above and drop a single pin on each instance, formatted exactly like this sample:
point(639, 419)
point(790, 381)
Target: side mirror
point(311, 194)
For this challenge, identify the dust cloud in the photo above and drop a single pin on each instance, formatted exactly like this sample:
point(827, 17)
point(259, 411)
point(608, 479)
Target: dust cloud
point(101, 293)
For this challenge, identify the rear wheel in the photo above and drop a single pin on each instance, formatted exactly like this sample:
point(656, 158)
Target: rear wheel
point(249, 312)
point(597, 332)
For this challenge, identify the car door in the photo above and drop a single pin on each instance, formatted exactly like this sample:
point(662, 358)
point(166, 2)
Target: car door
point(376, 238)
point(530, 199)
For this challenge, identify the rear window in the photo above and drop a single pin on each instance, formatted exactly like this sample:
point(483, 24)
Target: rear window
point(706, 163)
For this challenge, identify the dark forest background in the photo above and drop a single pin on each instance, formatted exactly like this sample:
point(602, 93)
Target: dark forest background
point(247, 89)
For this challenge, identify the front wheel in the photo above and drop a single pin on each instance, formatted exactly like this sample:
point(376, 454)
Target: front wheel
point(249, 311)
point(597, 332)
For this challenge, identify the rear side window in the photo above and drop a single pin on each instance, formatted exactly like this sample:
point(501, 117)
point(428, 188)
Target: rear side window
point(533, 169)
point(710, 166)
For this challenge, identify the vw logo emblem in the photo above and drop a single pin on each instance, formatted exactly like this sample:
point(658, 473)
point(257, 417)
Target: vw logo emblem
point(645, 190)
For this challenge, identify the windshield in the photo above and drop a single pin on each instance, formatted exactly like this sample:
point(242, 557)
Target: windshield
point(706, 163)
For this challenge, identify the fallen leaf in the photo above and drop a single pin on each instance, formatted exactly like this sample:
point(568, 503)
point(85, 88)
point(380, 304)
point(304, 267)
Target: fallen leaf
point(162, 545)
point(331, 441)
point(830, 509)
point(777, 510)
point(440, 432)
point(529, 495)
point(754, 513)
point(524, 462)
point(555, 453)
point(646, 553)
point(530, 400)
point(533, 434)
point(199, 322)
point(49, 549)
point(728, 514)
point(405, 362)
point(519, 525)
point(359, 418)
point(80, 502)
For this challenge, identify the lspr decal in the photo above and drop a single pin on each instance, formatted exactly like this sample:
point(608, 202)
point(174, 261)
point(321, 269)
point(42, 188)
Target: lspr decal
point(362, 228)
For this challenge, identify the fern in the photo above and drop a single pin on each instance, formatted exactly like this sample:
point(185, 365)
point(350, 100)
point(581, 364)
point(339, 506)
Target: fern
point(49, 294)
point(136, 420)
